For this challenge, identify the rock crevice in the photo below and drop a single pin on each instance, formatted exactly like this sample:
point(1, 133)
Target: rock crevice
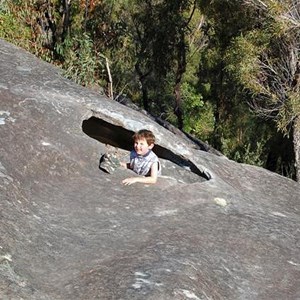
point(120, 137)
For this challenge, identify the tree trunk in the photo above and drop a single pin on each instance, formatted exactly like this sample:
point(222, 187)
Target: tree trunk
point(181, 67)
point(178, 106)
point(65, 18)
point(220, 107)
point(296, 140)
point(86, 12)
point(142, 79)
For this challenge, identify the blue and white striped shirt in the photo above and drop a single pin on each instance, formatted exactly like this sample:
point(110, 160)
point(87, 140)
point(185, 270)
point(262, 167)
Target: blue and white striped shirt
point(141, 164)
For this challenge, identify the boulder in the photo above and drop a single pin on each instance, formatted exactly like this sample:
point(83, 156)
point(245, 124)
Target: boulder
point(209, 229)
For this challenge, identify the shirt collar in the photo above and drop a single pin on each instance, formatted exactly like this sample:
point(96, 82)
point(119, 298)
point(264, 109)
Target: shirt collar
point(145, 154)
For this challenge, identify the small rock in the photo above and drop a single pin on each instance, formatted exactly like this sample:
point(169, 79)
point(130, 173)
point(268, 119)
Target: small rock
point(220, 201)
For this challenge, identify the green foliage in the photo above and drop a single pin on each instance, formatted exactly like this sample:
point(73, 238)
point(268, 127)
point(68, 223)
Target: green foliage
point(288, 111)
point(10, 28)
point(81, 63)
point(18, 25)
point(199, 119)
point(4, 7)
point(109, 25)
point(242, 59)
point(250, 154)
point(263, 62)
point(246, 140)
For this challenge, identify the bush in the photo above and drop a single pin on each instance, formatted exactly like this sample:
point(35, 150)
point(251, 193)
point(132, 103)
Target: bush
point(198, 115)
point(79, 60)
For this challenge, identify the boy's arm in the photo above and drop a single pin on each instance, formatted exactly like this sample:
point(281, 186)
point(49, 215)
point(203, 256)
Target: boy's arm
point(125, 165)
point(149, 179)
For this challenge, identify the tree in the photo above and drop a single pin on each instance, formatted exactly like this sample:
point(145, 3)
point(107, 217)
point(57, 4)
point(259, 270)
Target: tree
point(225, 20)
point(271, 69)
point(160, 36)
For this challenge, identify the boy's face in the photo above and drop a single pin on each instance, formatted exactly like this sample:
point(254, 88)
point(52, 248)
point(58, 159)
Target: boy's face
point(141, 146)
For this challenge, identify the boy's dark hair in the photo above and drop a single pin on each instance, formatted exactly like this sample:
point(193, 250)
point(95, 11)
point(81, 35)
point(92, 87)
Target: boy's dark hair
point(144, 134)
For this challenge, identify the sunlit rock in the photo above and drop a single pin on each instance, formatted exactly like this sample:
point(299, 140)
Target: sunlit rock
point(209, 229)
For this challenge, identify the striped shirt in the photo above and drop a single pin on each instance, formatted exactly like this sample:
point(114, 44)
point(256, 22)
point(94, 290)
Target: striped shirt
point(142, 164)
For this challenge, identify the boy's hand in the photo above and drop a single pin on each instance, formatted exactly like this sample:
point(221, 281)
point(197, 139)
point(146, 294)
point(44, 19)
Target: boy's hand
point(131, 180)
point(124, 165)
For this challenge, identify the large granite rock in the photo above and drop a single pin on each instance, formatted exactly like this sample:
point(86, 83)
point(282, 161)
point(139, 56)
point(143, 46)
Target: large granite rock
point(209, 229)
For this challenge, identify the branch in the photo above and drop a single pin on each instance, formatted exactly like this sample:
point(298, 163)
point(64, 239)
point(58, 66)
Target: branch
point(191, 15)
point(109, 81)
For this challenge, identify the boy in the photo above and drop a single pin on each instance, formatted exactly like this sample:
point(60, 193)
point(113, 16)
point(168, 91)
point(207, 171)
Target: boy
point(143, 160)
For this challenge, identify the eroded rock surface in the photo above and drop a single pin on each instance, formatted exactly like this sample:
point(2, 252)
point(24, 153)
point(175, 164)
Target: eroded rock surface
point(209, 229)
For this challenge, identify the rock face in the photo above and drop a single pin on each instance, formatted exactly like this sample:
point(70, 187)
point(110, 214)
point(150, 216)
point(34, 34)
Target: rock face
point(209, 229)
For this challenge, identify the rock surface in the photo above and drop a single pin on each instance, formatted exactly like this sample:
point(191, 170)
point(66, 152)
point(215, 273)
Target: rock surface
point(209, 229)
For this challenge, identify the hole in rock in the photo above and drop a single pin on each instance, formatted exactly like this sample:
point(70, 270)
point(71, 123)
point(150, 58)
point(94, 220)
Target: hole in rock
point(119, 137)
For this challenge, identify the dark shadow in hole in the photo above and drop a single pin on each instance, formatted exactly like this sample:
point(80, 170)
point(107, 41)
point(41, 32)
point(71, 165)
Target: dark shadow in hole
point(120, 137)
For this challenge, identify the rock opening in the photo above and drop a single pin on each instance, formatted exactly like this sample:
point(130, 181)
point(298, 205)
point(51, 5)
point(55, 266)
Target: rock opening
point(119, 137)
